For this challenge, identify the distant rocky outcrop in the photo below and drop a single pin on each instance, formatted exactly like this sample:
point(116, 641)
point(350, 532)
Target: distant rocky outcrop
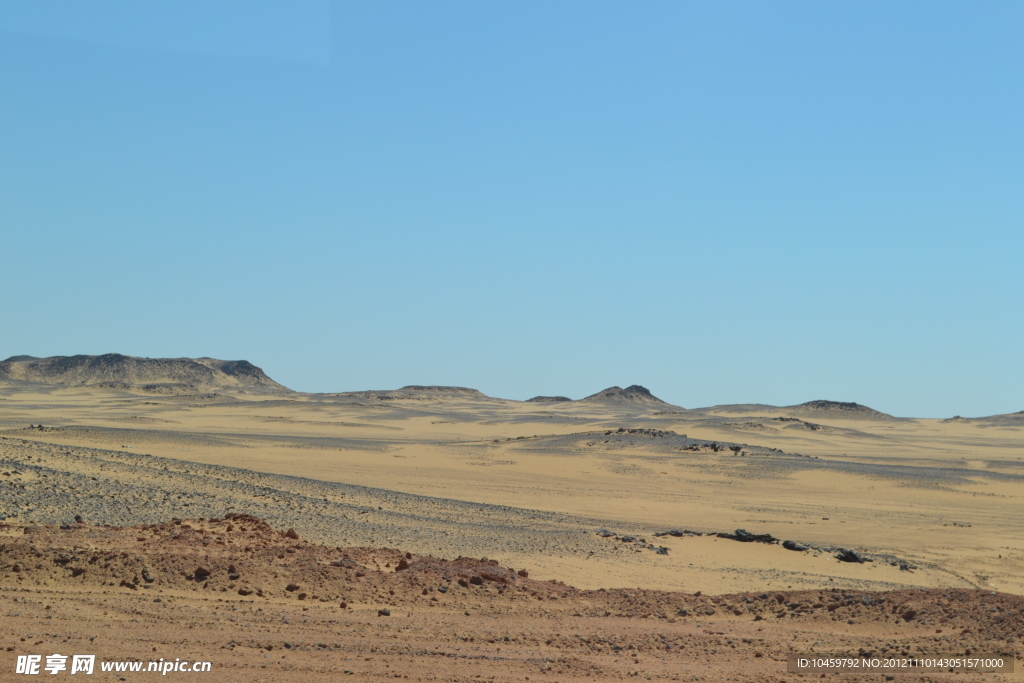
point(1005, 420)
point(548, 399)
point(836, 410)
point(631, 394)
point(442, 390)
point(16, 359)
point(115, 370)
point(413, 392)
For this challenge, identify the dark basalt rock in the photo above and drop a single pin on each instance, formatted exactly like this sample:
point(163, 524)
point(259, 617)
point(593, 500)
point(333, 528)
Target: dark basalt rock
point(845, 555)
point(745, 536)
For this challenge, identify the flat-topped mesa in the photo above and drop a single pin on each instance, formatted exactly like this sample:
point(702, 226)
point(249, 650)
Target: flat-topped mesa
point(631, 394)
point(117, 370)
point(836, 410)
point(548, 399)
point(442, 390)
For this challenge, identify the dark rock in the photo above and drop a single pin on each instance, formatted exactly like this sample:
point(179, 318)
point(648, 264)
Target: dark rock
point(292, 587)
point(745, 536)
point(202, 573)
point(384, 612)
point(604, 533)
point(845, 555)
point(793, 545)
point(291, 533)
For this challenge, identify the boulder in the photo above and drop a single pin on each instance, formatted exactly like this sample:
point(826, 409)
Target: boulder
point(845, 555)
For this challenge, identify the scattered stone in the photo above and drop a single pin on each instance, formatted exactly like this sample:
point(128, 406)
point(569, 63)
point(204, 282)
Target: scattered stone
point(384, 612)
point(793, 545)
point(744, 536)
point(845, 555)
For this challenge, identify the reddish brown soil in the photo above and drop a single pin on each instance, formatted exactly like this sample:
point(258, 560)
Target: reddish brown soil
point(264, 605)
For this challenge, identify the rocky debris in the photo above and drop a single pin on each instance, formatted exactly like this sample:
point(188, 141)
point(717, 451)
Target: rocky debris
point(524, 617)
point(801, 424)
point(744, 536)
point(676, 533)
point(126, 488)
point(292, 534)
point(653, 433)
point(658, 440)
point(638, 542)
point(903, 565)
point(793, 545)
point(846, 555)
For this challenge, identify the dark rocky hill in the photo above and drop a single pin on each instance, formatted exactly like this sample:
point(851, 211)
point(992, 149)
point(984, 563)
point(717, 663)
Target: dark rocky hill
point(836, 410)
point(631, 394)
point(154, 374)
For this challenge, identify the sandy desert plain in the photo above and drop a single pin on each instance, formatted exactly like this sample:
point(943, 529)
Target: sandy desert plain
point(195, 509)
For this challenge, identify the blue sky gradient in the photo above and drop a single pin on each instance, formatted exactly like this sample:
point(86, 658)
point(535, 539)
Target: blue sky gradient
point(725, 202)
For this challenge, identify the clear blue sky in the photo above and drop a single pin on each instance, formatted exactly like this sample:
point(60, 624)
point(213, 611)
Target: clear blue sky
point(726, 202)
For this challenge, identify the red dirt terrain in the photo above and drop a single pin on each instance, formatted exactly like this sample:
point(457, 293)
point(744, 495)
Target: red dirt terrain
point(263, 605)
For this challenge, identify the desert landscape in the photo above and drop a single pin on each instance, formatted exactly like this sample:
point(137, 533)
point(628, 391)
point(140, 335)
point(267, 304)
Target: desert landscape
point(196, 508)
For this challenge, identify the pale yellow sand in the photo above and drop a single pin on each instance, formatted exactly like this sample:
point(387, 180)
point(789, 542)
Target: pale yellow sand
point(963, 531)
